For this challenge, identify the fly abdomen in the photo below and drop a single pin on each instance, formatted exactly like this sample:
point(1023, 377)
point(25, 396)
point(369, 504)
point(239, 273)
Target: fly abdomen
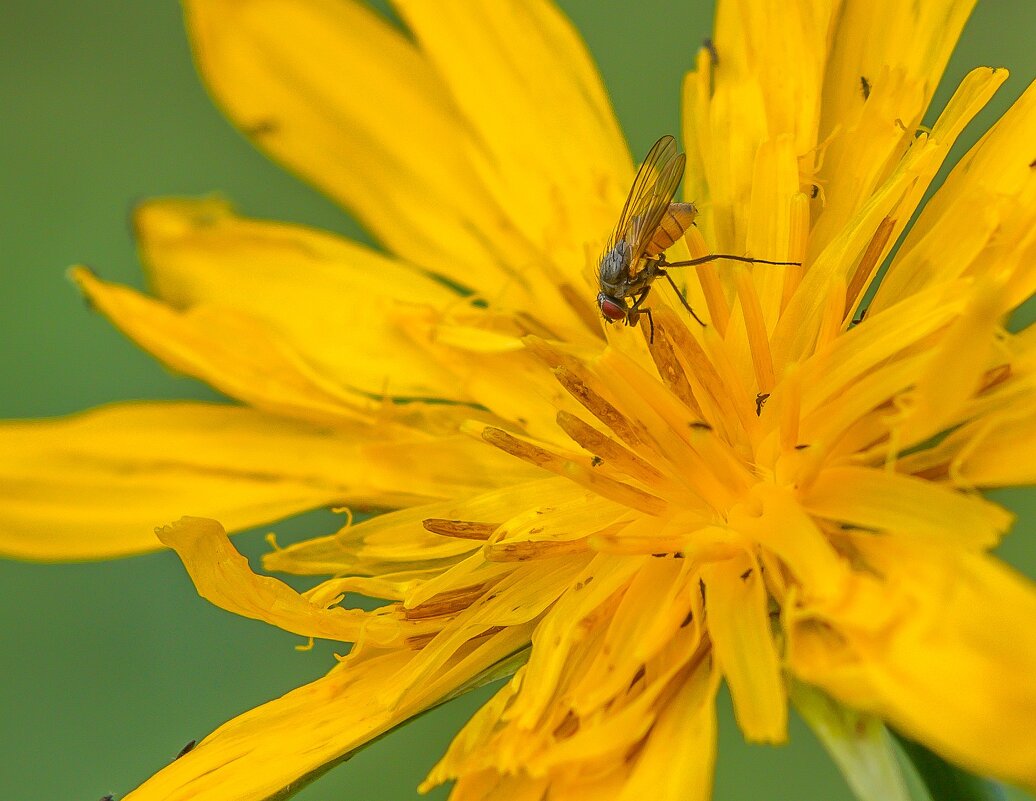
point(677, 219)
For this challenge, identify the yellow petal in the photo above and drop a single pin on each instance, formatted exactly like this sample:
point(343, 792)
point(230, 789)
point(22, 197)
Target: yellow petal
point(992, 452)
point(235, 353)
point(774, 519)
point(854, 249)
point(784, 49)
point(678, 760)
point(645, 620)
point(966, 350)
point(222, 575)
point(943, 648)
point(490, 785)
point(96, 484)
point(555, 142)
point(766, 88)
point(396, 541)
point(739, 625)
point(900, 52)
point(907, 507)
point(285, 743)
point(558, 635)
point(971, 209)
point(333, 301)
point(336, 93)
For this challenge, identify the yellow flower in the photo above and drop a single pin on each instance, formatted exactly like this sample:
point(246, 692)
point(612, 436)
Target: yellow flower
point(785, 499)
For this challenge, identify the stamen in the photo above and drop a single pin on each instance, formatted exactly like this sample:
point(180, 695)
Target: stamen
point(598, 406)
point(702, 371)
point(867, 266)
point(671, 371)
point(526, 550)
point(608, 449)
point(606, 487)
point(446, 603)
point(461, 529)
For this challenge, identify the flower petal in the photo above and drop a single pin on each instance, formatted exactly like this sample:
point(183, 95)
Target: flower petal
point(680, 754)
point(272, 750)
point(333, 301)
point(233, 352)
point(764, 91)
point(95, 484)
point(845, 261)
point(984, 208)
point(942, 647)
point(337, 94)
point(885, 64)
point(739, 625)
point(222, 576)
point(907, 507)
point(995, 451)
point(555, 141)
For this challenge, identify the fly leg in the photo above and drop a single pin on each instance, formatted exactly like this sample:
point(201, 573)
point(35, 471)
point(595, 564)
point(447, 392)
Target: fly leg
point(679, 294)
point(635, 311)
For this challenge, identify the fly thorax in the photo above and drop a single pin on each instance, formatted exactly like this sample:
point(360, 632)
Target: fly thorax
point(615, 266)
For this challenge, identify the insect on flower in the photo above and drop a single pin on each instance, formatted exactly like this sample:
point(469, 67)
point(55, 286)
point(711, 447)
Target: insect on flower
point(649, 224)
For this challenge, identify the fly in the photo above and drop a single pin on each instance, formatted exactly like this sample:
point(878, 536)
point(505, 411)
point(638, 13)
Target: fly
point(649, 224)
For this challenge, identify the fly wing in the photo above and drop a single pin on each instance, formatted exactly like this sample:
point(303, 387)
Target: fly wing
point(660, 155)
point(651, 209)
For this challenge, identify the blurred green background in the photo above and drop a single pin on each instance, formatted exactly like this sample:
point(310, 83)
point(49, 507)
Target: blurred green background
point(107, 670)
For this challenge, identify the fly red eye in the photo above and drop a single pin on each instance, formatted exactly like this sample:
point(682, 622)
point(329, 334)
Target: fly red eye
point(612, 310)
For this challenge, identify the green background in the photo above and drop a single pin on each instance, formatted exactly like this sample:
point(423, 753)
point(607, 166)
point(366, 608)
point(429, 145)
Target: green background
point(108, 669)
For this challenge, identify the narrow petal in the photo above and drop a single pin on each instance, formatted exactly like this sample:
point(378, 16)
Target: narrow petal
point(995, 451)
point(333, 301)
point(764, 90)
point(942, 647)
point(222, 575)
point(555, 141)
point(96, 484)
point(337, 94)
point(679, 757)
point(235, 353)
point(784, 528)
point(271, 751)
point(990, 186)
point(739, 625)
point(884, 67)
point(906, 506)
point(400, 540)
point(876, 221)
